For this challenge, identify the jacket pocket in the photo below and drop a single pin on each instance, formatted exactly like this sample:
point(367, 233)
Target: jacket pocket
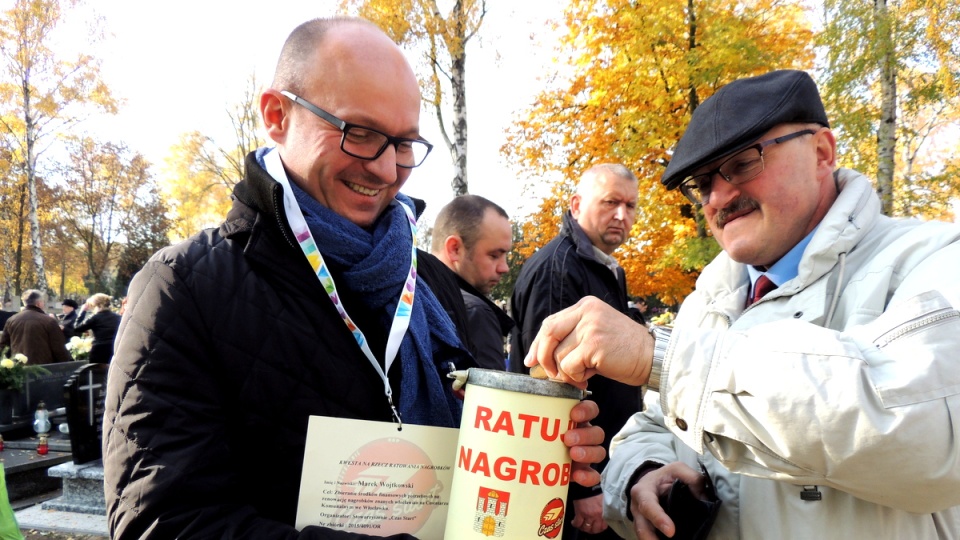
point(917, 351)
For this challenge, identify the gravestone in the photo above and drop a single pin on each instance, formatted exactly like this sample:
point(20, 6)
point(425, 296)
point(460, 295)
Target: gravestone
point(48, 388)
point(82, 488)
point(85, 393)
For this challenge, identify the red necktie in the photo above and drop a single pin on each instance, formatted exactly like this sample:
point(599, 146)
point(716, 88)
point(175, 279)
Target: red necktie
point(761, 288)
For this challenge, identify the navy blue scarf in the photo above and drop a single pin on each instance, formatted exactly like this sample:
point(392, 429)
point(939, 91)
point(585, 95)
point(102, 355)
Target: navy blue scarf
point(375, 267)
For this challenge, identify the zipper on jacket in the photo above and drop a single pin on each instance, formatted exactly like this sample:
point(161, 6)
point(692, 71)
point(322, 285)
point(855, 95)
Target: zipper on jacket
point(713, 310)
point(283, 226)
point(916, 324)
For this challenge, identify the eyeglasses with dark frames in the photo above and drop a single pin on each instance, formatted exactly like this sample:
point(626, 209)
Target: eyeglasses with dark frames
point(367, 143)
point(738, 169)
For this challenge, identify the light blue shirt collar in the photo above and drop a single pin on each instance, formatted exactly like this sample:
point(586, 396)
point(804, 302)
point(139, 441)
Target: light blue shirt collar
point(786, 268)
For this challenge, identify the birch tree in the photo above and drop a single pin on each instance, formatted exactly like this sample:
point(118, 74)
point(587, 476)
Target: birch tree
point(41, 95)
point(890, 81)
point(442, 36)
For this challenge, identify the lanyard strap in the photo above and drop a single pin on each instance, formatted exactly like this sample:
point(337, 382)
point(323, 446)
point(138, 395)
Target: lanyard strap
point(401, 317)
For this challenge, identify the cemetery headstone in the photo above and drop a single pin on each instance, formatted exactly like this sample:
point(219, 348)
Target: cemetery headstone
point(85, 393)
point(48, 388)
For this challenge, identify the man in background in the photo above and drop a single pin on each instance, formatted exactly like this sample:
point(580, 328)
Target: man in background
point(637, 310)
point(34, 333)
point(472, 236)
point(576, 264)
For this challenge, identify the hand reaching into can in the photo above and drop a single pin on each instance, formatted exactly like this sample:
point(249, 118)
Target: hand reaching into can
point(590, 338)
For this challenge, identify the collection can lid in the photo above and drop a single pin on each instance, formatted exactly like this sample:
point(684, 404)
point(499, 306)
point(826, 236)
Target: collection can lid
point(518, 382)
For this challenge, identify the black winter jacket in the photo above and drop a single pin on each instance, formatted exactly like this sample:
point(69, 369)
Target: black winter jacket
point(228, 344)
point(556, 277)
point(488, 325)
point(104, 326)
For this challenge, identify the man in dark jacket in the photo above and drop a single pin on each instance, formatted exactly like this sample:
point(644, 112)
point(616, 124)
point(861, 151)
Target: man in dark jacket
point(575, 264)
point(233, 339)
point(34, 333)
point(472, 236)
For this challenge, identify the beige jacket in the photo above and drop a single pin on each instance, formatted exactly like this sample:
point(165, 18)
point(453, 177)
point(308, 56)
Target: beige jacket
point(845, 380)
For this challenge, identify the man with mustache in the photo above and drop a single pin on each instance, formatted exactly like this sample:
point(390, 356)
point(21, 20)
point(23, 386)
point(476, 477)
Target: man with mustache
point(574, 265)
point(813, 372)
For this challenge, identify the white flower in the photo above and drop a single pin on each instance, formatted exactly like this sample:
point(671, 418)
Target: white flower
point(7, 363)
point(20, 357)
point(79, 347)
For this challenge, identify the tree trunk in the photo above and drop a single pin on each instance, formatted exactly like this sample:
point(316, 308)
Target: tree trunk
point(887, 130)
point(458, 80)
point(18, 265)
point(31, 162)
point(693, 101)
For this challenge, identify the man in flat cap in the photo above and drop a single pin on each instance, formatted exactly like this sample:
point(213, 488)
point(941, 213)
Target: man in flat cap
point(811, 380)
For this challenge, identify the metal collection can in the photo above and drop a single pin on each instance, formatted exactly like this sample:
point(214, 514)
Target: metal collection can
point(512, 469)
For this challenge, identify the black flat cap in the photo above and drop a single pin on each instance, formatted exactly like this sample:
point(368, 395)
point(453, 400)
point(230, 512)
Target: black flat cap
point(70, 302)
point(739, 113)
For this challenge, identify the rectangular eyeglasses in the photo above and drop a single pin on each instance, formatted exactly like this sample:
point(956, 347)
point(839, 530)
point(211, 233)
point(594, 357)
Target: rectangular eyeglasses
point(368, 143)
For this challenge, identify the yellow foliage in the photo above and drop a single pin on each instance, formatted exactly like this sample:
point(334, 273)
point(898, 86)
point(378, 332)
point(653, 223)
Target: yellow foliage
point(639, 71)
point(193, 191)
point(918, 38)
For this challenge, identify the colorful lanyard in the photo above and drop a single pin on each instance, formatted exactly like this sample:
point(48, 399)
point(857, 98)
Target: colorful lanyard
point(401, 318)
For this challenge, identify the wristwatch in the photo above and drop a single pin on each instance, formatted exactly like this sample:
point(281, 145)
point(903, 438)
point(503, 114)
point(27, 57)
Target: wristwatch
point(661, 339)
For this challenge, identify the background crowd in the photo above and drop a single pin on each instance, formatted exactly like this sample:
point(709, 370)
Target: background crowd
point(77, 332)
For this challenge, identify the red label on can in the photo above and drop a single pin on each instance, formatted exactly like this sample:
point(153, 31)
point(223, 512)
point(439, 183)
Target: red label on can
point(551, 519)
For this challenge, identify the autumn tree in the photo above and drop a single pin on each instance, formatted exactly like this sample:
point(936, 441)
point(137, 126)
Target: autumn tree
point(13, 196)
point(200, 173)
point(890, 81)
point(99, 208)
point(637, 71)
point(62, 252)
point(42, 95)
point(151, 233)
point(442, 36)
point(15, 263)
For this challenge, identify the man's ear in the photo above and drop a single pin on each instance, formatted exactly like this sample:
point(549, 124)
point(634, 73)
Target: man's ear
point(453, 246)
point(826, 150)
point(575, 206)
point(274, 114)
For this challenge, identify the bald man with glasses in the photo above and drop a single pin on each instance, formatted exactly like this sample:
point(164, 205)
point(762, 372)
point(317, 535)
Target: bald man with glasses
point(310, 300)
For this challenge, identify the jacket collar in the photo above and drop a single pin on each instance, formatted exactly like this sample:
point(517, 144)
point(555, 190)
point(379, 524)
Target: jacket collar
point(572, 230)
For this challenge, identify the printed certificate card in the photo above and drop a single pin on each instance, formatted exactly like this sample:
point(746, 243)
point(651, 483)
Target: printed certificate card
point(368, 477)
